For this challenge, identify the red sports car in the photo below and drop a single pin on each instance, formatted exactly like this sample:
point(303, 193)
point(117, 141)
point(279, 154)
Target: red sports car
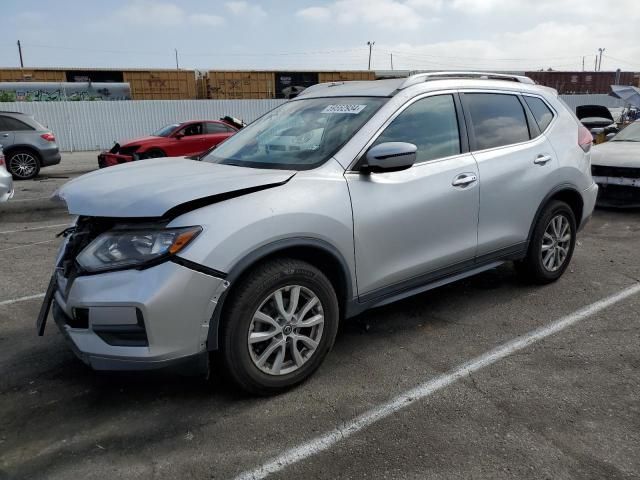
point(176, 140)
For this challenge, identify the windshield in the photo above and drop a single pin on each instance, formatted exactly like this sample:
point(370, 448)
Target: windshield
point(166, 130)
point(631, 133)
point(298, 135)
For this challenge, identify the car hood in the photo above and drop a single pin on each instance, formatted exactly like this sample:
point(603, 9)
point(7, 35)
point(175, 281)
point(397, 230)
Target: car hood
point(162, 187)
point(616, 154)
point(141, 141)
point(599, 111)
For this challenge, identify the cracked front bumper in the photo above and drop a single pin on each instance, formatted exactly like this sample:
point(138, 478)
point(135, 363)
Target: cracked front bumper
point(138, 319)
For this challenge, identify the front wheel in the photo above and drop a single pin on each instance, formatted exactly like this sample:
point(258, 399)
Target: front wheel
point(280, 323)
point(552, 244)
point(154, 153)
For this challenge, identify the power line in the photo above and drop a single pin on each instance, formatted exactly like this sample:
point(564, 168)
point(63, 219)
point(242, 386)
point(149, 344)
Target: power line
point(623, 61)
point(410, 54)
point(200, 54)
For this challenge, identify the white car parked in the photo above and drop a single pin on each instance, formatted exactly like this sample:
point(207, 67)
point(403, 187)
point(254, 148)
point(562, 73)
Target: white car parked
point(6, 180)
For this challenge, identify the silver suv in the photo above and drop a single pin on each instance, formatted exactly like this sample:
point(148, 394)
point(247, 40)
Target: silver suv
point(28, 146)
point(351, 196)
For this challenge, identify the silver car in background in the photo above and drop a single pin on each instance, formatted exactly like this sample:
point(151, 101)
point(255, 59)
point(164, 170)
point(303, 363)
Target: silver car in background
point(352, 196)
point(6, 180)
point(28, 145)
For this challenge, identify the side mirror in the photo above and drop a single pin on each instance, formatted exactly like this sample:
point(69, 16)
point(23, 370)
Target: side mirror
point(178, 136)
point(390, 157)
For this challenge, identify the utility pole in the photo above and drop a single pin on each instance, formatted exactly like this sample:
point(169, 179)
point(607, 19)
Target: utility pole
point(177, 64)
point(583, 63)
point(391, 60)
point(371, 44)
point(595, 69)
point(20, 54)
point(601, 50)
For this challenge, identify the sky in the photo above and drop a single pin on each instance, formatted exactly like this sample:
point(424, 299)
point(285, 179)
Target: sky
point(322, 35)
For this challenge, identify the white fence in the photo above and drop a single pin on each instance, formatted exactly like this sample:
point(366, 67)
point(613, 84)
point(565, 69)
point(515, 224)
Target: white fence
point(96, 125)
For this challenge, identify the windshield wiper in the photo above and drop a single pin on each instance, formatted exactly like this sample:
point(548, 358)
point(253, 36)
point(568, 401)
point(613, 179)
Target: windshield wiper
point(625, 140)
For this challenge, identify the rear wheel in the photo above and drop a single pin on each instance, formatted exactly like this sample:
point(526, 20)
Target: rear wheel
point(551, 246)
point(23, 164)
point(280, 323)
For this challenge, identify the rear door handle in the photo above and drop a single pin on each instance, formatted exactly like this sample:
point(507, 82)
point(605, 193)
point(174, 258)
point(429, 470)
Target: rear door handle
point(464, 179)
point(542, 159)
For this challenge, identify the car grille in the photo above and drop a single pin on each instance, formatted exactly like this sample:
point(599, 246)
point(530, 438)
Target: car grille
point(626, 172)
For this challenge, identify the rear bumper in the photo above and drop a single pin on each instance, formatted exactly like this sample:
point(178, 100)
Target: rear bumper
point(589, 196)
point(50, 156)
point(108, 159)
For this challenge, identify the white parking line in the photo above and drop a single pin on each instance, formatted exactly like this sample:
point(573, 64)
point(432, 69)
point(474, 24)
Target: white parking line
point(35, 228)
point(21, 299)
point(28, 199)
point(326, 441)
point(27, 245)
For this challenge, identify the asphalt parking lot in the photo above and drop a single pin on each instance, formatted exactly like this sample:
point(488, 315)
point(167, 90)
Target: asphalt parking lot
point(564, 406)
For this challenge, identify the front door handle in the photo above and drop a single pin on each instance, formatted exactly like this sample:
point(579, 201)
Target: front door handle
point(542, 159)
point(464, 179)
point(5, 135)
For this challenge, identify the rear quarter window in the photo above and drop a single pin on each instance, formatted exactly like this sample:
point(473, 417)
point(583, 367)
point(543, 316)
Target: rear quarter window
point(541, 112)
point(497, 119)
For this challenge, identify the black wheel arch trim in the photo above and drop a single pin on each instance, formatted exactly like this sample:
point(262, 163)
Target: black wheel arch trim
point(554, 191)
point(270, 249)
point(12, 148)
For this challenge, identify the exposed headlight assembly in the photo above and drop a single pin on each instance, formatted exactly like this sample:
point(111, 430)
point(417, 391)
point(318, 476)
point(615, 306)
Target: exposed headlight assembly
point(119, 249)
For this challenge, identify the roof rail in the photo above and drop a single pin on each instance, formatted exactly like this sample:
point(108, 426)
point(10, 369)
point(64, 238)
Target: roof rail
point(426, 77)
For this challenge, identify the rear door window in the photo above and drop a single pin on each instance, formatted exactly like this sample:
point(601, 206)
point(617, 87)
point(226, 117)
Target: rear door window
point(211, 127)
point(497, 119)
point(541, 112)
point(10, 124)
point(431, 124)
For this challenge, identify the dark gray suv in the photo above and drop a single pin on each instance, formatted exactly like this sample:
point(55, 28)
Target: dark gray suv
point(27, 145)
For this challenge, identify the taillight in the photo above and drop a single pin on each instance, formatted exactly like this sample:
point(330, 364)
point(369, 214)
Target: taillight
point(49, 137)
point(1, 159)
point(585, 139)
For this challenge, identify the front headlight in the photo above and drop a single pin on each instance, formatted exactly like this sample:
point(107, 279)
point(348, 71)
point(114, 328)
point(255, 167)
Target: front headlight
point(134, 248)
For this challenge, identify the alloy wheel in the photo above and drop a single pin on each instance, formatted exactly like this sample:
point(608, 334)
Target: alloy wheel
point(556, 243)
point(285, 330)
point(23, 165)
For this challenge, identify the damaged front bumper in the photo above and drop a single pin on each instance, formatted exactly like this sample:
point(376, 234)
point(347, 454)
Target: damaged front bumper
point(153, 318)
point(109, 159)
point(618, 192)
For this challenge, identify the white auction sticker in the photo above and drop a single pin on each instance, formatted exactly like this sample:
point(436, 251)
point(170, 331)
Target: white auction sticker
point(343, 108)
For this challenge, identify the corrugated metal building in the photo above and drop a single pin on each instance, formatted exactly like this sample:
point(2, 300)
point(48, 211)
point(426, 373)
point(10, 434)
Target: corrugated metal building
point(96, 125)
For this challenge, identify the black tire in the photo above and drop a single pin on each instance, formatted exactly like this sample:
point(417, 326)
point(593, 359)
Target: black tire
point(533, 268)
point(154, 153)
point(245, 300)
point(23, 164)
